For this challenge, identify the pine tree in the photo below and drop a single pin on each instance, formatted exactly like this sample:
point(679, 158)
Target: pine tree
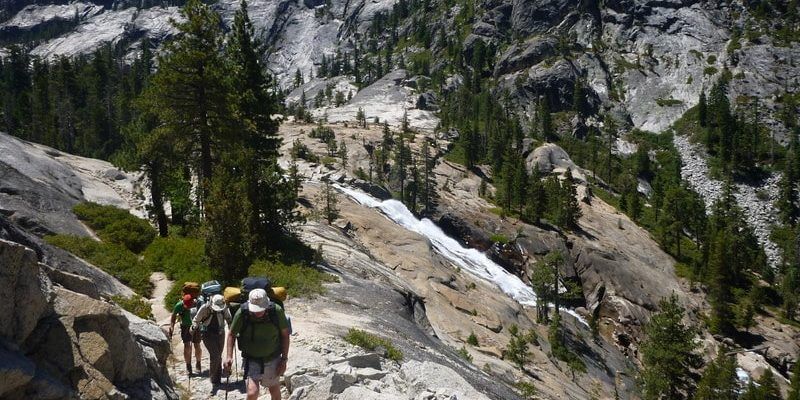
point(579, 103)
point(402, 159)
point(719, 381)
point(787, 200)
point(768, 388)
point(794, 384)
point(343, 154)
point(298, 78)
point(668, 354)
point(570, 210)
point(229, 240)
point(702, 109)
point(544, 281)
point(719, 294)
point(272, 197)
point(546, 121)
point(517, 349)
point(189, 94)
point(537, 197)
point(428, 190)
point(328, 202)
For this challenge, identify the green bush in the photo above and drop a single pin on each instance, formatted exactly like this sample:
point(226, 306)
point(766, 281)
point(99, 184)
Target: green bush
point(371, 342)
point(116, 225)
point(464, 353)
point(182, 259)
point(298, 280)
point(112, 258)
point(472, 340)
point(136, 305)
point(175, 255)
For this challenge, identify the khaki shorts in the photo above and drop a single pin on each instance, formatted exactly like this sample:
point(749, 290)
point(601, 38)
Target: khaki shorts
point(270, 376)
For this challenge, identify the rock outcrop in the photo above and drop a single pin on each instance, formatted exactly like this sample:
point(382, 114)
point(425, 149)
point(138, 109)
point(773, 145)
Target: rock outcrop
point(62, 344)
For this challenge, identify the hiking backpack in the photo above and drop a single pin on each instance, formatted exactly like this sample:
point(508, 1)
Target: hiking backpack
point(209, 289)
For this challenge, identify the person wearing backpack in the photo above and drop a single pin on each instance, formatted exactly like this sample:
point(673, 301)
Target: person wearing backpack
point(263, 334)
point(210, 320)
point(189, 336)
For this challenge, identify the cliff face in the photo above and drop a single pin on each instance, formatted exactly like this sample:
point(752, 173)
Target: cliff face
point(59, 343)
point(645, 60)
point(61, 336)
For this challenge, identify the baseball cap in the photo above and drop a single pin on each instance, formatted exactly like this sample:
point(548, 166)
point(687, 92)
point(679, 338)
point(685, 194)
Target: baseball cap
point(258, 300)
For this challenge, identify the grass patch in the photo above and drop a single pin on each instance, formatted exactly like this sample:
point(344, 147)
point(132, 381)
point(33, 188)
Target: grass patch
point(668, 102)
point(372, 342)
point(499, 238)
point(299, 280)
point(113, 258)
point(116, 225)
point(136, 305)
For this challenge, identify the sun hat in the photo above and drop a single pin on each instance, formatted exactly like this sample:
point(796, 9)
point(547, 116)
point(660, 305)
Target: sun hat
point(258, 300)
point(217, 303)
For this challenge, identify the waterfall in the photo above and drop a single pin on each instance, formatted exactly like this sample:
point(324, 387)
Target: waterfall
point(469, 260)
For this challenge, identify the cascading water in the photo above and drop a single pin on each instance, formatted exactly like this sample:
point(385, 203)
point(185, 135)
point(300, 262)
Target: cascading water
point(470, 260)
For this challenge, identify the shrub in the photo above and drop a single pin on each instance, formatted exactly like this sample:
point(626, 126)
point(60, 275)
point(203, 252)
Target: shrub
point(112, 258)
point(709, 71)
point(298, 280)
point(499, 238)
point(668, 102)
point(371, 342)
point(472, 340)
point(116, 225)
point(182, 259)
point(464, 353)
point(526, 389)
point(136, 305)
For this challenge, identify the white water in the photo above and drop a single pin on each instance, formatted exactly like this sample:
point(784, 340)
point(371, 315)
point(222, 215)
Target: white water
point(470, 260)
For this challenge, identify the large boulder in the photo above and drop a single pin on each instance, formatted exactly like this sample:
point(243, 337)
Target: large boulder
point(56, 343)
point(22, 296)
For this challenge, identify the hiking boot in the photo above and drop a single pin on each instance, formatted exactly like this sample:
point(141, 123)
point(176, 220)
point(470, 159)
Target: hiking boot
point(189, 368)
point(199, 368)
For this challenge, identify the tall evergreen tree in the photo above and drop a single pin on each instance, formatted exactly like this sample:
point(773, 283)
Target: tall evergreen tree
point(190, 94)
point(719, 381)
point(537, 197)
point(668, 354)
point(794, 384)
point(229, 240)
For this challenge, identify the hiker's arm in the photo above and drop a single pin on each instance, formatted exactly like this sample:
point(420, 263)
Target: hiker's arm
point(200, 317)
point(284, 351)
point(171, 323)
point(231, 342)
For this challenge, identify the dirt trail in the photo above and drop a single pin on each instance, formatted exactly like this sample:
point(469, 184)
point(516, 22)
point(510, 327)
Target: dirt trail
point(161, 286)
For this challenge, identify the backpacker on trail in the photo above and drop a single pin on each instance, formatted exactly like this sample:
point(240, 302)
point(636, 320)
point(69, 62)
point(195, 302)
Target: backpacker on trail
point(261, 328)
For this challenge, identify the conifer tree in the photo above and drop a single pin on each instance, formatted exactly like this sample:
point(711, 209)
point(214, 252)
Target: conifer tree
point(537, 197)
point(189, 94)
point(719, 381)
point(229, 240)
point(428, 189)
point(271, 196)
point(328, 201)
point(794, 383)
point(570, 210)
point(702, 109)
point(402, 159)
point(668, 354)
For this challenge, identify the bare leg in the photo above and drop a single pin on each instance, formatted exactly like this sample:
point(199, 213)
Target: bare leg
point(198, 352)
point(252, 389)
point(187, 354)
point(275, 392)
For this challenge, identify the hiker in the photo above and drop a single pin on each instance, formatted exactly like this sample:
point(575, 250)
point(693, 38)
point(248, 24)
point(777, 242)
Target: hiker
point(263, 335)
point(188, 335)
point(210, 321)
